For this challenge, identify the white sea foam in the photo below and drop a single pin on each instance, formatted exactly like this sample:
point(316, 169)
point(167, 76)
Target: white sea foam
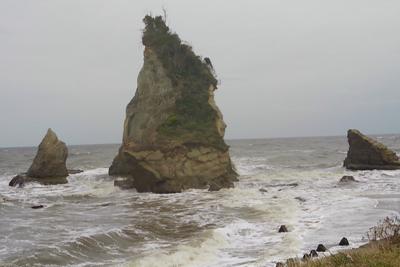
point(201, 251)
point(231, 227)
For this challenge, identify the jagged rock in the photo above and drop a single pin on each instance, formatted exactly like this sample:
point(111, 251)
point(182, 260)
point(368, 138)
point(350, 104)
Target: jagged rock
point(321, 248)
point(173, 131)
point(347, 179)
point(344, 242)
point(50, 158)
point(283, 229)
point(313, 253)
point(366, 153)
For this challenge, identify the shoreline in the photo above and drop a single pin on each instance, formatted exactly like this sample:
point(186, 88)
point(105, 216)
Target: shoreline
point(382, 249)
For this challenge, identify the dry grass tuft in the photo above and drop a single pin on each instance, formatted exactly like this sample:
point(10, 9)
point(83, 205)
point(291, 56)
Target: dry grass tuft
point(383, 250)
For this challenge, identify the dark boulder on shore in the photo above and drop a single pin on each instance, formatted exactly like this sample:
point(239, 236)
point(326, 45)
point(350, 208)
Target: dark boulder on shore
point(366, 153)
point(321, 248)
point(344, 242)
point(313, 253)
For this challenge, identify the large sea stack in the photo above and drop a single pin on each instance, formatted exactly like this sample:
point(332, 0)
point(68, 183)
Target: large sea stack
point(173, 131)
point(366, 153)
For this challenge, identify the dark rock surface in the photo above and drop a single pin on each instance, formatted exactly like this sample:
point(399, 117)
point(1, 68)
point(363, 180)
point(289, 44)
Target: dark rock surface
point(37, 207)
point(214, 187)
point(344, 242)
point(321, 248)
point(18, 180)
point(313, 253)
point(283, 229)
point(21, 179)
point(366, 153)
point(124, 183)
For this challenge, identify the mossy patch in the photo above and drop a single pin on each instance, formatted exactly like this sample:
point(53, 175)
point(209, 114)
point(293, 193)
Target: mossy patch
point(193, 118)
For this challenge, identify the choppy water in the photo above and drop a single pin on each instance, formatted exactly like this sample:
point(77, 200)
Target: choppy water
point(89, 222)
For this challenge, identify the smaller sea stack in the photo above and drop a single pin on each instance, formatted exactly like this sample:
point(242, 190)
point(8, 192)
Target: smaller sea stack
point(49, 164)
point(366, 153)
point(51, 157)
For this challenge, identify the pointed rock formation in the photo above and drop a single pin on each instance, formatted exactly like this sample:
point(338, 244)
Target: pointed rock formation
point(173, 131)
point(50, 159)
point(49, 164)
point(368, 154)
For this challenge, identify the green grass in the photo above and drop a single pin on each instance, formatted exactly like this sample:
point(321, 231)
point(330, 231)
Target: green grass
point(383, 250)
point(379, 254)
point(193, 118)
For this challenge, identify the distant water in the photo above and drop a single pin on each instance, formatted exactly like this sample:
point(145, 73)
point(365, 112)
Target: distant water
point(89, 222)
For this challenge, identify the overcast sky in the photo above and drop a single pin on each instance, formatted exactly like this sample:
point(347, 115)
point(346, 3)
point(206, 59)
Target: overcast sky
point(287, 68)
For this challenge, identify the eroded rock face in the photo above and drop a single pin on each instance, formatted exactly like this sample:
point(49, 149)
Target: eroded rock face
point(368, 154)
point(173, 131)
point(50, 160)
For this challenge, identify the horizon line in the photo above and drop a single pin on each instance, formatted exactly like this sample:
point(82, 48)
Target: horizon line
point(226, 139)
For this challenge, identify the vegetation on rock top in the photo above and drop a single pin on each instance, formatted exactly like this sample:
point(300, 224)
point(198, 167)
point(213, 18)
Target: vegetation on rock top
point(193, 118)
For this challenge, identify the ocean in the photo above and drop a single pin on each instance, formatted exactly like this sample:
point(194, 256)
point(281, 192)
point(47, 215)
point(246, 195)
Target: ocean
point(292, 181)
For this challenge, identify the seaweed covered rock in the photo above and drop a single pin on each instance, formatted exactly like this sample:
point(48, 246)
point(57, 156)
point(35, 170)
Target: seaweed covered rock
point(173, 131)
point(366, 153)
